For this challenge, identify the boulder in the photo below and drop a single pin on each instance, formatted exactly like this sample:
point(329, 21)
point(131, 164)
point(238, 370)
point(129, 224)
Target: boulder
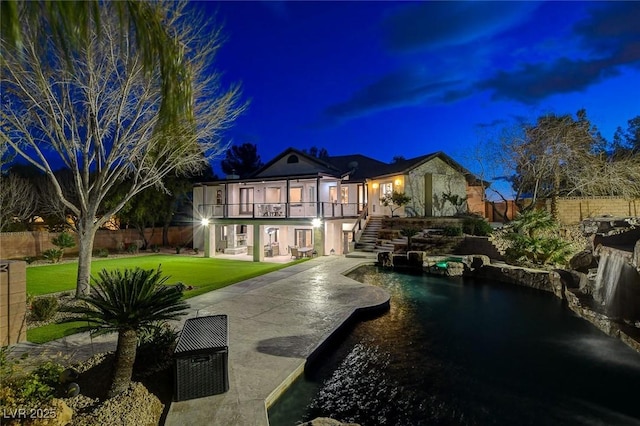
point(583, 261)
point(56, 413)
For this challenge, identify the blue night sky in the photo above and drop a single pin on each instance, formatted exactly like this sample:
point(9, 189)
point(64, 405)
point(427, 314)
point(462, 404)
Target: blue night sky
point(394, 78)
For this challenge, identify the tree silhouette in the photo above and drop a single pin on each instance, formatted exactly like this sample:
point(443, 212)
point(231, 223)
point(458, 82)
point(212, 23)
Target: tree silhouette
point(241, 160)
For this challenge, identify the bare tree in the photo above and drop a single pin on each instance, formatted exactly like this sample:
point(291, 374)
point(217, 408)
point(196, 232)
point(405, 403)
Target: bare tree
point(18, 200)
point(97, 113)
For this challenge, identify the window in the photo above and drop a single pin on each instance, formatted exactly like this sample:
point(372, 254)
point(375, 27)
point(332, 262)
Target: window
point(295, 195)
point(303, 238)
point(219, 196)
point(246, 200)
point(292, 159)
point(386, 188)
point(344, 195)
point(312, 194)
point(333, 194)
point(272, 195)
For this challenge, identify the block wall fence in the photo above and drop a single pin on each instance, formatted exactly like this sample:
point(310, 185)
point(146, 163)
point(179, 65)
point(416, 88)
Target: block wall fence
point(571, 210)
point(17, 245)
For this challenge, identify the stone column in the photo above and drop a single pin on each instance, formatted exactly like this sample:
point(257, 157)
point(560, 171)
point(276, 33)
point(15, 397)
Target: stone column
point(258, 243)
point(13, 301)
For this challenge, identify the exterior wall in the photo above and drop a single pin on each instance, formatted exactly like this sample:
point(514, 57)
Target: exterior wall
point(17, 245)
point(375, 193)
point(475, 200)
point(13, 301)
point(572, 210)
point(426, 183)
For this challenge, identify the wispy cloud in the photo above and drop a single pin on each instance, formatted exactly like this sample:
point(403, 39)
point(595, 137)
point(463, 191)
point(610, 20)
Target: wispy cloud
point(438, 24)
point(469, 48)
point(391, 91)
point(609, 39)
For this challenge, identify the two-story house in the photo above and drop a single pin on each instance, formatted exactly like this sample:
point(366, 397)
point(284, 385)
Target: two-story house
point(315, 205)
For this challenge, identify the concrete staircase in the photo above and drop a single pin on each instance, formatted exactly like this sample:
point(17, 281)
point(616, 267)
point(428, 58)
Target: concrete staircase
point(369, 238)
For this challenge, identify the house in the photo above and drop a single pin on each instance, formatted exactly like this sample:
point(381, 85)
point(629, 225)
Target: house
point(317, 204)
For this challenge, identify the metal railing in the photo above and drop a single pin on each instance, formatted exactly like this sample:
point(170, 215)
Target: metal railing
point(280, 210)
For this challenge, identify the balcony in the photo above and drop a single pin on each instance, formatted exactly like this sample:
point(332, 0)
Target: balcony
point(325, 210)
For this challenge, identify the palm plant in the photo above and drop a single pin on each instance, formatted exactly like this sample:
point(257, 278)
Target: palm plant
point(127, 303)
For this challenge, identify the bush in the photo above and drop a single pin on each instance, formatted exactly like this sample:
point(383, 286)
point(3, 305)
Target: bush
point(30, 259)
point(155, 349)
point(44, 308)
point(64, 240)
point(53, 255)
point(476, 226)
point(155, 248)
point(132, 248)
point(29, 390)
point(103, 252)
point(452, 231)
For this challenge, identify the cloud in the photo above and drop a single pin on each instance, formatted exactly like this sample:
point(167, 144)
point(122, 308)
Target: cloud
point(609, 39)
point(393, 90)
point(437, 24)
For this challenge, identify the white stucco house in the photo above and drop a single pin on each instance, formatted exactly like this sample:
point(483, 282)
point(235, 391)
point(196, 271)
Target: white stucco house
point(319, 205)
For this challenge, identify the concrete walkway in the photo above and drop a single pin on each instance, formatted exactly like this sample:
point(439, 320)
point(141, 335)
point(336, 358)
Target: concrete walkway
point(276, 321)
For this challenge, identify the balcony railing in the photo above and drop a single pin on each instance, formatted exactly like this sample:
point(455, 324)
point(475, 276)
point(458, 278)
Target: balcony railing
point(280, 210)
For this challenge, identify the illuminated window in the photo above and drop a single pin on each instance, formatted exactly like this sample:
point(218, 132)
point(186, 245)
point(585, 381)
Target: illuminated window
point(386, 188)
point(333, 194)
point(272, 195)
point(344, 195)
point(295, 194)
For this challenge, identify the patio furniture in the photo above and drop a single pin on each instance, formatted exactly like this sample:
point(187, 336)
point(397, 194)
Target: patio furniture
point(201, 358)
point(305, 251)
point(294, 253)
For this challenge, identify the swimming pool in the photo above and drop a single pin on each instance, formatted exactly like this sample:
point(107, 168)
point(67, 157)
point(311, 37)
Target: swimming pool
point(453, 351)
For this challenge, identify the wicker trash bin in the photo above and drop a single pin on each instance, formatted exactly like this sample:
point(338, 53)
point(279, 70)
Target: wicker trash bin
point(201, 358)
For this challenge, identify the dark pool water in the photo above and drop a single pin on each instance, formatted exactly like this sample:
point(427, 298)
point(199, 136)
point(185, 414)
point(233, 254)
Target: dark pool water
point(454, 352)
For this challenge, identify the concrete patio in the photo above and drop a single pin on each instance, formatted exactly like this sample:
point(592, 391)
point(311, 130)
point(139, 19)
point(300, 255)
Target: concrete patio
point(276, 322)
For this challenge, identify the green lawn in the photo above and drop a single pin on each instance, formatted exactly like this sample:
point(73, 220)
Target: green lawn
point(205, 274)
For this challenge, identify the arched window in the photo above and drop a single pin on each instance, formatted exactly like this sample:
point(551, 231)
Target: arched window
point(292, 159)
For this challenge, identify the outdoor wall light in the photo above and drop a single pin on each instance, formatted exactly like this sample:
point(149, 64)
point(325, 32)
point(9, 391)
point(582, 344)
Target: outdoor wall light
point(398, 182)
point(374, 186)
point(204, 222)
point(316, 222)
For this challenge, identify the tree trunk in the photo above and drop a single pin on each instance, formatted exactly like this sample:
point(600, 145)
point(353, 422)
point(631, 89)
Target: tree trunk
point(86, 235)
point(165, 233)
point(125, 357)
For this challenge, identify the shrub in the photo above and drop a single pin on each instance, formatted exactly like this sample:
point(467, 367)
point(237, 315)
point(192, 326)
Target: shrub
point(452, 231)
point(28, 390)
point(53, 255)
point(29, 259)
point(132, 248)
point(155, 349)
point(178, 249)
point(533, 238)
point(476, 226)
point(44, 308)
point(155, 248)
point(103, 252)
point(64, 240)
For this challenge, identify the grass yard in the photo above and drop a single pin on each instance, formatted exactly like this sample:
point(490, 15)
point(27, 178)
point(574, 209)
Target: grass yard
point(205, 274)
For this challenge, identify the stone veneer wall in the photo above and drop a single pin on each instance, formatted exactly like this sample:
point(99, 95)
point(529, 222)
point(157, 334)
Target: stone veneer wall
point(13, 302)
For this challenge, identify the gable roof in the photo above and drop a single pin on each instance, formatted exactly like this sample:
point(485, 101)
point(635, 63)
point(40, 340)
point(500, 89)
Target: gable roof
point(405, 166)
